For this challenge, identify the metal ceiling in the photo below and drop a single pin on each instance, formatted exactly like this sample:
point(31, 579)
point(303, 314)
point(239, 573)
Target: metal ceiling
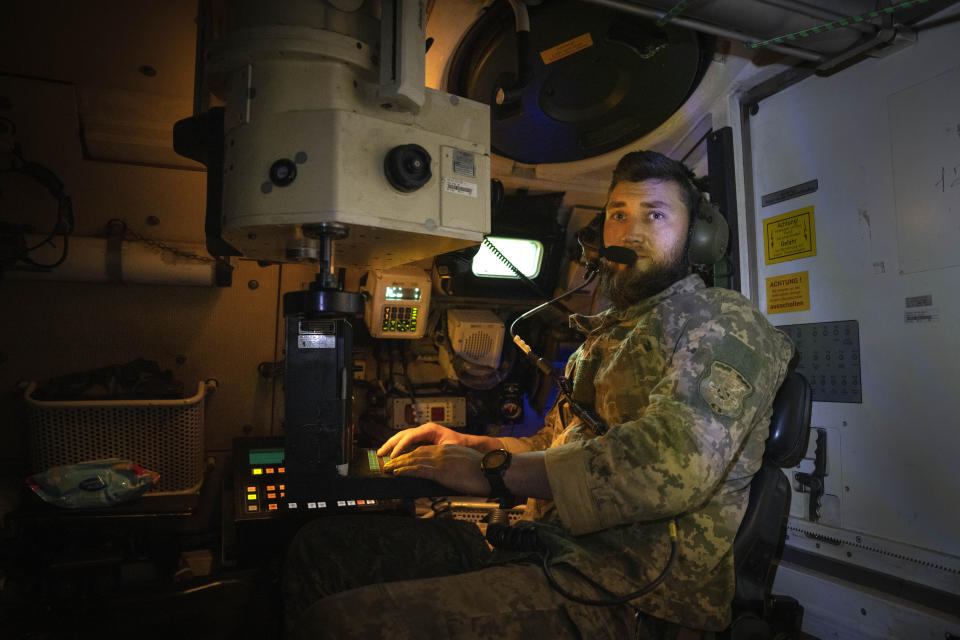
point(823, 34)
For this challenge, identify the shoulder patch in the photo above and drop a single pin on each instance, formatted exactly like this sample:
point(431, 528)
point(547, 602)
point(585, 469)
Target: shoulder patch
point(724, 389)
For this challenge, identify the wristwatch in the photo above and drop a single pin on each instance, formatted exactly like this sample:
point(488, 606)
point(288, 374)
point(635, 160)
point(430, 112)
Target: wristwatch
point(493, 465)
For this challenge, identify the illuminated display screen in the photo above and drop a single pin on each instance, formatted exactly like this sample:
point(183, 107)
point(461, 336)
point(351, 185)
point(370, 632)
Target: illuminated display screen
point(525, 255)
point(403, 293)
point(266, 456)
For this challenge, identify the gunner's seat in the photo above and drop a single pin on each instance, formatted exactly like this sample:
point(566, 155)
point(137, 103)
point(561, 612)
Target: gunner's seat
point(757, 613)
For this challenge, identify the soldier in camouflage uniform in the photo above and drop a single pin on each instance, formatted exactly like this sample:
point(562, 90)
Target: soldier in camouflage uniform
point(684, 376)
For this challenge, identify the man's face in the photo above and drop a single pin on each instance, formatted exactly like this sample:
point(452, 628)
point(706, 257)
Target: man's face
point(650, 218)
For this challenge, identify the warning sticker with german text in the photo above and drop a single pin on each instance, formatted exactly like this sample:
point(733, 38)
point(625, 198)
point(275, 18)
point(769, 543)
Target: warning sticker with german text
point(790, 292)
point(790, 236)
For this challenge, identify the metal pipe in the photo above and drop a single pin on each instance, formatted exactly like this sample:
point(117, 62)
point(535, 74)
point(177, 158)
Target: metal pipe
point(884, 14)
point(136, 263)
point(705, 27)
point(883, 36)
point(802, 8)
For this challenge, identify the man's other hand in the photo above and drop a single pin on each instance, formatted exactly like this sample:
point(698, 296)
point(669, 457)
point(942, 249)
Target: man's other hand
point(455, 467)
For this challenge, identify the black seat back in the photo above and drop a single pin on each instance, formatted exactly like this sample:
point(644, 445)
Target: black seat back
point(761, 533)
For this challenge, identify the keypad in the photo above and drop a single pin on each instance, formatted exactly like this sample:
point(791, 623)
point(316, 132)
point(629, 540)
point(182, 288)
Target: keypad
point(265, 492)
point(400, 319)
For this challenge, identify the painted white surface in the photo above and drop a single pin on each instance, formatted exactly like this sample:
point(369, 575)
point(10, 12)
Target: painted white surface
point(837, 610)
point(897, 450)
point(925, 145)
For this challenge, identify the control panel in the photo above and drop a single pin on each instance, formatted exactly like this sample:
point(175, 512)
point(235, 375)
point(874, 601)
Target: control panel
point(397, 302)
point(404, 412)
point(829, 358)
point(260, 485)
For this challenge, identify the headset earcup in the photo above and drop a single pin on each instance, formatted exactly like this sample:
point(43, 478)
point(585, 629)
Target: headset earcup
point(710, 235)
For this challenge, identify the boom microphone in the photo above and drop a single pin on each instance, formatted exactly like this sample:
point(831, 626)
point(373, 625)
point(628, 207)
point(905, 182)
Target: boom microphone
point(619, 254)
point(589, 241)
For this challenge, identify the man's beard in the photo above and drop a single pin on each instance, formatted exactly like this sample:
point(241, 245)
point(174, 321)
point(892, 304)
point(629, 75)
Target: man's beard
point(628, 287)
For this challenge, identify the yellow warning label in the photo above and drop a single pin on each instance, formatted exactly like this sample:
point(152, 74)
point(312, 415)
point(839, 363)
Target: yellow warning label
point(567, 48)
point(790, 292)
point(790, 236)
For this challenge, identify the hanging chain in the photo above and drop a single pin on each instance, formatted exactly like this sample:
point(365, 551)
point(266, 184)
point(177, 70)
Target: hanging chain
point(132, 236)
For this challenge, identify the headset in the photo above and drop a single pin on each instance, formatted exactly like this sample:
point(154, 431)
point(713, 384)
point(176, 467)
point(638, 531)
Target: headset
point(709, 235)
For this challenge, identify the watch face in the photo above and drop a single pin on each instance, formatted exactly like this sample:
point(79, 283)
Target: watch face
point(494, 459)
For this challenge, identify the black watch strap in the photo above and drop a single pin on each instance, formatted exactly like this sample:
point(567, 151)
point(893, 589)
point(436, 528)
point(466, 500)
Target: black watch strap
point(493, 465)
point(498, 488)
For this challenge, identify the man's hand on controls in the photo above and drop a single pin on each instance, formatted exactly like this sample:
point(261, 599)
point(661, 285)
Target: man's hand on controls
point(453, 466)
point(453, 459)
point(433, 433)
point(409, 439)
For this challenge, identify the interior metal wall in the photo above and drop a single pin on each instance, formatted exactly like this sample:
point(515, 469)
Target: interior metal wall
point(52, 55)
point(892, 464)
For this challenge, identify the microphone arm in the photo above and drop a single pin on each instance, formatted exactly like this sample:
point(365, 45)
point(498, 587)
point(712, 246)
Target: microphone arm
point(591, 260)
point(593, 421)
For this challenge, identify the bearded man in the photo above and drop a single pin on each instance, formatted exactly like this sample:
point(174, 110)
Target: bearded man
point(683, 376)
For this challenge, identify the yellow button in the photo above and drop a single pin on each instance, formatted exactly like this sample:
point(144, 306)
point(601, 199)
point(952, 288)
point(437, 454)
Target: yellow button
point(257, 471)
point(251, 496)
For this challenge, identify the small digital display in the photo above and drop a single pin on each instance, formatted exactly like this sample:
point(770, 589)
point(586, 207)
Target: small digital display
point(266, 456)
point(403, 293)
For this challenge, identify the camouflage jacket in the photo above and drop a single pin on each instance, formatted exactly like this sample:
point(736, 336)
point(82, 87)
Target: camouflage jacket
point(685, 380)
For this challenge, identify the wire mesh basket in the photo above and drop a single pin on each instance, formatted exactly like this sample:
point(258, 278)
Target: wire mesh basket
point(165, 436)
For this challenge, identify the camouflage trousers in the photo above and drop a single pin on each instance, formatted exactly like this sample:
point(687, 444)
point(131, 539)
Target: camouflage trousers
point(403, 578)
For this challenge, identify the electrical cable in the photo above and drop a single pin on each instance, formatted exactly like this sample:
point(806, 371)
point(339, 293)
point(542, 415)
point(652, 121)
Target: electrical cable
point(589, 418)
point(526, 539)
point(614, 599)
point(64, 224)
point(440, 506)
point(505, 260)
point(673, 13)
point(523, 278)
point(589, 278)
